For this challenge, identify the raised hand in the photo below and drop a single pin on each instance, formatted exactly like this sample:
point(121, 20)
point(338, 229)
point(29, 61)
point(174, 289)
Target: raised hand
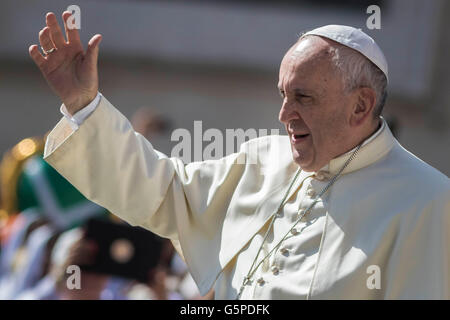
point(70, 72)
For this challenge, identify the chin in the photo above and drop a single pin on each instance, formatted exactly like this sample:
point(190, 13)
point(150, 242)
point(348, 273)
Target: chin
point(306, 167)
point(303, 160)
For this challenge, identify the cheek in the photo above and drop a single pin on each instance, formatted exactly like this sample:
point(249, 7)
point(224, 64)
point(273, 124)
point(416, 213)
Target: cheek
point(336, 133)
point(328, 129)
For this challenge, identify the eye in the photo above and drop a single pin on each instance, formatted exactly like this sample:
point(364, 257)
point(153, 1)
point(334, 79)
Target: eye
point(281, 92)
point(304, 98)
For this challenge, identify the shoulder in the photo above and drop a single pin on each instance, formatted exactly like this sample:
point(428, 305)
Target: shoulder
point(418, 172)
point(414, 182)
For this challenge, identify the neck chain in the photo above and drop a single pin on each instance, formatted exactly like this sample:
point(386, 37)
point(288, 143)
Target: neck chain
point(247, 280)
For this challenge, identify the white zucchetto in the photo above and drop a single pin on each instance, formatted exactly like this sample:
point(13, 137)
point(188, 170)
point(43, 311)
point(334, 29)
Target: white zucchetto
point(355, 39)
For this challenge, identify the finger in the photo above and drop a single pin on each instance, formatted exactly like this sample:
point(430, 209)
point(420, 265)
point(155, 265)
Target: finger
point(73, 37)
point(44, 39)
point(36, 56)
point(55, 31)
point(93, 48)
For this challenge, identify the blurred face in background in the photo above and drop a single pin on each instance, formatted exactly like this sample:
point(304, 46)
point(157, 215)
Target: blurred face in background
point(315, 109)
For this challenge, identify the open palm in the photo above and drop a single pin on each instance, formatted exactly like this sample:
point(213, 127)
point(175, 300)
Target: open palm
point(70, 72)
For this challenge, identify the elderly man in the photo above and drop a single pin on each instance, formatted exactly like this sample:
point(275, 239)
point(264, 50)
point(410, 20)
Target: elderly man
point(336, 209)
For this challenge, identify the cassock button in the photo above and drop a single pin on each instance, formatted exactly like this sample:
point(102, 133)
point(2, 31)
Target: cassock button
point(260, 281)
point(284, 251)
point(294, 231)
point(301, 213)
point(311, 193)
point(275, 270)
point(320, 176)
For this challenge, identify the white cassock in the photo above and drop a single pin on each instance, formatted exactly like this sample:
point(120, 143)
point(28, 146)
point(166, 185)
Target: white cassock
point(381, 232)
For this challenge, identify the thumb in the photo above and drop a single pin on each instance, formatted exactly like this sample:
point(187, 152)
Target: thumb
point(93, 48)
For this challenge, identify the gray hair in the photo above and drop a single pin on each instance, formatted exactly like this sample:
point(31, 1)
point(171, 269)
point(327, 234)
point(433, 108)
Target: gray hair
point(358, 71)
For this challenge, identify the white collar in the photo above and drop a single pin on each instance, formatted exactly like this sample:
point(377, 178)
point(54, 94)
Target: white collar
point(372, 149)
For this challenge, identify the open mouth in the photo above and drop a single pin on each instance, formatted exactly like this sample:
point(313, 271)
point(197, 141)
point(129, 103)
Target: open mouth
point(299, 137)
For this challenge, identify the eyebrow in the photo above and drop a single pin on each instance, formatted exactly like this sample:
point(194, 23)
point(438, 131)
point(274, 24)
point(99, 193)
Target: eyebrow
point(300, 91)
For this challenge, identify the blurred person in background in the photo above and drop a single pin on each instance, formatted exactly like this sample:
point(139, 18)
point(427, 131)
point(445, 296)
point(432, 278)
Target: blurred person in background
point(37, 205)
point(43, 221)
point(149, 123)
point(50, 286)
point(160, 284)
point(120, 262)
point(92, 284)
point(258, 229)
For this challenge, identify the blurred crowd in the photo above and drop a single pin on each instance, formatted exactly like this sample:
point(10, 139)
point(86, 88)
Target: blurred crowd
point(46, 238)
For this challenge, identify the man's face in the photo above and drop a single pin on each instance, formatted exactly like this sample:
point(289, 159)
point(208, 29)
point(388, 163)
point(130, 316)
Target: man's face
point(315, 109)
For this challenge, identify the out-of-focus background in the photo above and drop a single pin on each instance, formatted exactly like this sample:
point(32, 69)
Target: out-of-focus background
point(173, 62)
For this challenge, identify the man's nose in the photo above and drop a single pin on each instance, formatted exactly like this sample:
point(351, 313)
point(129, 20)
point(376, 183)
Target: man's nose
point(287, 112)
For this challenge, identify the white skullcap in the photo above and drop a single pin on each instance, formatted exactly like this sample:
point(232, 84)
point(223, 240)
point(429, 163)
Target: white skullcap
point(355, 39)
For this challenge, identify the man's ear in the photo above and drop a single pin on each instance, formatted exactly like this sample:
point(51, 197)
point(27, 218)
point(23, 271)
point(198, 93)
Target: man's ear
point(363, 108)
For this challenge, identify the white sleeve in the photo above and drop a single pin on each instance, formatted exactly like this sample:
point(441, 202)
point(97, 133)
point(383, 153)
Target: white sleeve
point(117, 168)
point(78, 118)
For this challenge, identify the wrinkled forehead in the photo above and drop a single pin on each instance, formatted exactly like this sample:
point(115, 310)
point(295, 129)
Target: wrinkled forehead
point(306, 58)
point(308, 49)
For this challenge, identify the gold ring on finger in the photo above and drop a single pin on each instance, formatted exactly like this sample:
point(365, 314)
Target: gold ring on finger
point(48, 51)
